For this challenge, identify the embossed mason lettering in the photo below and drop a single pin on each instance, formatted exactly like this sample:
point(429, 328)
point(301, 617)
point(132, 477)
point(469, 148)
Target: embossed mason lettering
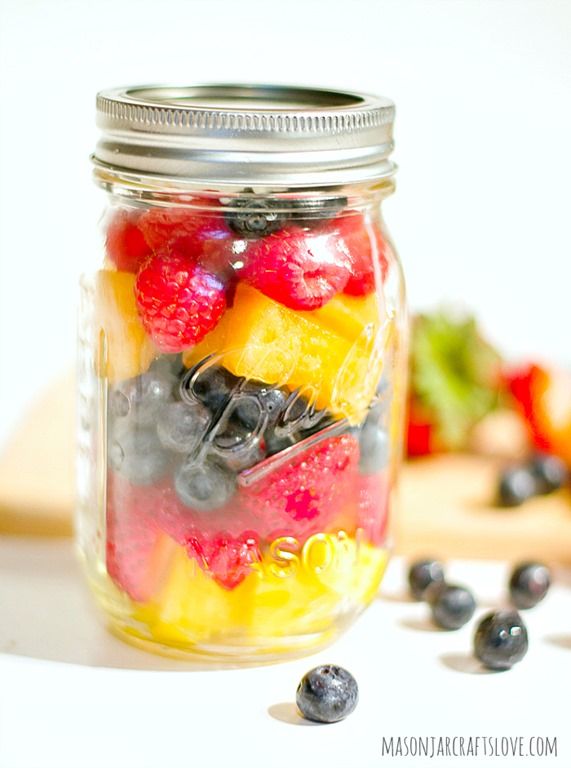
point(319, 554)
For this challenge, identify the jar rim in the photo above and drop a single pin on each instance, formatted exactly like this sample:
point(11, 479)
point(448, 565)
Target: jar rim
point(246, 133)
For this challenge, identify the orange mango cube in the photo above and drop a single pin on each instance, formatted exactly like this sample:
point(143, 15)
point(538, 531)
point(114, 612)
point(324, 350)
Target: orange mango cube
point(123, 348)
point(333, 355)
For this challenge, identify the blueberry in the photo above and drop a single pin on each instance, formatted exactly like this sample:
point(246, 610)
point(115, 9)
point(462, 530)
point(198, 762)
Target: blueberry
point(136, 453)
point(549, 471)
point(213, 386)
point(142, 397)
point(204, 486)
point(248, 410)
point(300, 416)
point(308, 212)
point(325, 420)
point(241, 458)
point(276, 444)
point(276, 441)
point(529, 584)
point(230, 433)
point(118, 405)
point(501, 640)
point(257, 399)
point(327, 694)
point(517, 484)
point(235, 446)
point(451, 606)
point(182, 426)
point(254, 218)
point(422, 575)
point(297, 408)
point(373, 449)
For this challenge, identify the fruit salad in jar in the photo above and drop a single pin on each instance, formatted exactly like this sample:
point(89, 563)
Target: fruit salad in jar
point(242, 399)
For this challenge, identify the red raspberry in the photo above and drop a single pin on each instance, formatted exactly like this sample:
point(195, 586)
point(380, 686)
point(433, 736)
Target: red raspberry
point(132, 536)
point(124, 242)
point(160, 504)
point(309, 493)
point(179, 302)
point(138, 516)
point(227, 559)
point(164, 226)
point(300, 269)
point(372, 494)
point(363, 243)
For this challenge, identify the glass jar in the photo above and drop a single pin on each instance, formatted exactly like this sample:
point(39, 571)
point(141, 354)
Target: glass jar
point(242, 359)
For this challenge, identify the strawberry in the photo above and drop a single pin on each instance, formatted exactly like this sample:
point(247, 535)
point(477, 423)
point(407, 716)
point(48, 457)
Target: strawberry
point(455, 381)
point(543, 397)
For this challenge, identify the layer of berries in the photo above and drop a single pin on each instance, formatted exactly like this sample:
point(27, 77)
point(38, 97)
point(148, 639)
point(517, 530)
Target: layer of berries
point(179, 440)
point(188, 261)
point(320, 491)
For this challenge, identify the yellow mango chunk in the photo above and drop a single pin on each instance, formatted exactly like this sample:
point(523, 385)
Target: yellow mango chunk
point(269, 604)
point(123, 348)
point(329, 576)
point(333, 354)
point(349, 316)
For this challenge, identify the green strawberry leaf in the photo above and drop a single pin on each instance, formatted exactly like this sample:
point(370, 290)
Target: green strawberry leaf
point(454, 374)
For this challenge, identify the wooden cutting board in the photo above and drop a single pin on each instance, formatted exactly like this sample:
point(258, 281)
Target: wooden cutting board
point(447, 509)
point(445, 503)
point(37, 466)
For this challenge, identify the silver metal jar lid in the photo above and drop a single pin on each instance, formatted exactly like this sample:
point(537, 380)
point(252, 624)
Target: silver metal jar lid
point(236, 134)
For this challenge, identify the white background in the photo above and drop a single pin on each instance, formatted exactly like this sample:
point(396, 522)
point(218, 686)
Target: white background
point(483, 94)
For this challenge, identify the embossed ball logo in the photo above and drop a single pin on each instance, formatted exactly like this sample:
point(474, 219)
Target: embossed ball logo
point(259, 407)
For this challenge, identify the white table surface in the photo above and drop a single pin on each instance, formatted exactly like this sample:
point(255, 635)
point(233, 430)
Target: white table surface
point(71, 695)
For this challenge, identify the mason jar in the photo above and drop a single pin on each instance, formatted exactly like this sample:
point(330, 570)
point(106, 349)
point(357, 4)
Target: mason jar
point(242, 367)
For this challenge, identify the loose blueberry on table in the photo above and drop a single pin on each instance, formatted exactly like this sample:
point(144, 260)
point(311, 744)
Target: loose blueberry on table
point(327, 694)
point(528, 585)
point(516, 485)
point(549, 471)
point(501, 640)
point(452, 606)
point(422, 575)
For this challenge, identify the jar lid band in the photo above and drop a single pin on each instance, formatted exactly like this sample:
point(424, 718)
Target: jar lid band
point(246, 134)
